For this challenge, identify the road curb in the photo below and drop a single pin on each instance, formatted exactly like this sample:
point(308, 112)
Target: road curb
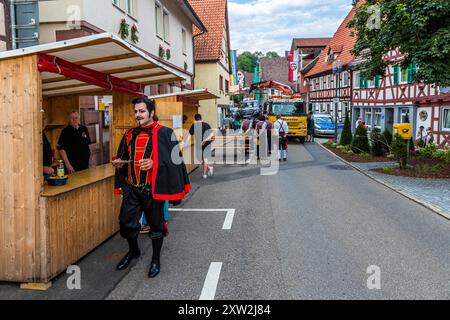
point(427, 205)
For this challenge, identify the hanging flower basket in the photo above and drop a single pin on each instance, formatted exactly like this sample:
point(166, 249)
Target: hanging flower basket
point(185, 66)
point(134, 32)
point(124, 31)
point(161, 52)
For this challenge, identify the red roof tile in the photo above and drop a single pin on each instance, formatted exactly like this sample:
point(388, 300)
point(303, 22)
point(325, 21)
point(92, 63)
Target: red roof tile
point(341, 41)
point(213, 15)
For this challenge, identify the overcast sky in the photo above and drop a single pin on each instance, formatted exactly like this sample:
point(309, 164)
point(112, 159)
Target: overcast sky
point(270, 25)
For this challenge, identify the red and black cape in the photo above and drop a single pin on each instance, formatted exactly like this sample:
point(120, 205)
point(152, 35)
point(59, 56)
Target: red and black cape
point(170, 180)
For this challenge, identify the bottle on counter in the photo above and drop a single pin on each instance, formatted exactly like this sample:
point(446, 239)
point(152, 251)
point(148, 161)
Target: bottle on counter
point(60, 170)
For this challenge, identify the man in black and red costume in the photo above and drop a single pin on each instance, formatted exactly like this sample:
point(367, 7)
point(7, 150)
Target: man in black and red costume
point(149, 171)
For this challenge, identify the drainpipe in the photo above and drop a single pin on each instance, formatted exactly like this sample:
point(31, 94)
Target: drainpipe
point(12, 13)
point(193, 56)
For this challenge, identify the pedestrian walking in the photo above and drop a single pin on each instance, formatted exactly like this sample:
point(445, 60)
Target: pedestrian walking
point(282, 128)
point(147, 176)
point(261, 148)
point(310, 127)
point(269, 127)
point(204, 137)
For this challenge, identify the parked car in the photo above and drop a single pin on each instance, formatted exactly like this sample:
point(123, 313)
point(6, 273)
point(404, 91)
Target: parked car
point(324, 125)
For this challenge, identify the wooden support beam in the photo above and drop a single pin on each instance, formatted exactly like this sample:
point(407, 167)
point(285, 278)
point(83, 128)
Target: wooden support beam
point(36, 286)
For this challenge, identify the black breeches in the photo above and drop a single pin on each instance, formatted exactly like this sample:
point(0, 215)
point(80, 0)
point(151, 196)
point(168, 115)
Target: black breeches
point(269, 140)
point(134, 202)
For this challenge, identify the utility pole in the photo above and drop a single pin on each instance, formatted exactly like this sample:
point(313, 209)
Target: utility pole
point(337, 69)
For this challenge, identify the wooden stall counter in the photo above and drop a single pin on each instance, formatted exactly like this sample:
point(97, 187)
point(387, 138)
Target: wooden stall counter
point(76, 218)
point(80, 179)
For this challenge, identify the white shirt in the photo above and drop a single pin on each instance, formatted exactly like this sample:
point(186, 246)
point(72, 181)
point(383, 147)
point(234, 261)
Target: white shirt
point(422, 136)
point(281, 125)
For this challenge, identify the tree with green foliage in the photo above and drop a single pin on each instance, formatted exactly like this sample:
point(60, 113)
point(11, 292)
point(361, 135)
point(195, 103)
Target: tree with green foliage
point(420, 29)
point(387, 140)
point(346, 136)
point(377, 146)
point(411, 142)
point(360, 142)
point(247, 61)
point(272, 54)
point(399, 150)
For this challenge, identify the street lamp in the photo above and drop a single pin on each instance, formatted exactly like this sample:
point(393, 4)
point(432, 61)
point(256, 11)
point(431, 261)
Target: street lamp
point(337, 69)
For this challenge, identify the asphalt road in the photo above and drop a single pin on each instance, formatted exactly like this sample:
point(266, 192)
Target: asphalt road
point(308, 230)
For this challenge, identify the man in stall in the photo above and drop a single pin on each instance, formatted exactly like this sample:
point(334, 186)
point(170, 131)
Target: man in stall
point(73, 144)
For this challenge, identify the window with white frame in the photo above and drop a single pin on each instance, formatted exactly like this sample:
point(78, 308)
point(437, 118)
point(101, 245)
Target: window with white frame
point(368, 118)
point(328, 81)
point(116, 2)
point(404, 112)
point(166, 26)
point(184, 40)
point(377, 119)
point(446, 119)
point(345, 79)
point(371, 83)
point(317, 107)
point(314, 88)
point(158, 19)
point(129, 7)
point(320, 83)
point(403, 75)
point(356, 79)
point(328, 108)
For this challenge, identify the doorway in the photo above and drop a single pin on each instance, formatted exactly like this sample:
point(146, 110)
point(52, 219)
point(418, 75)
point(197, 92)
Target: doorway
point(389, 119)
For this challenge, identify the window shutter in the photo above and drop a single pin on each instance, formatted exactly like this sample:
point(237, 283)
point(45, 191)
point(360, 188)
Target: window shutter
point(396, 74)
point(365, 83)
point(377, 81)
point(361, 81)
point(410, 73)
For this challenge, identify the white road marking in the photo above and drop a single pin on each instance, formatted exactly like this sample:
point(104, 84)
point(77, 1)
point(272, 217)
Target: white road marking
point(228, 219)
point(212, 278)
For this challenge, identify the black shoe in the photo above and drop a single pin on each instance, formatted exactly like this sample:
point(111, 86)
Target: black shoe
point(285, 159)
point(125, 262)
point(155, 268)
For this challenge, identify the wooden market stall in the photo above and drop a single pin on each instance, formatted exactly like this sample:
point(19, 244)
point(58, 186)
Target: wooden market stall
point(45, 229)
point(177, 110)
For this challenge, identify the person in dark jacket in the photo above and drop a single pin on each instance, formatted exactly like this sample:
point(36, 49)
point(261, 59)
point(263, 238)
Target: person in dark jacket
point(310, 129)
point(149, 171)
point(73, 144)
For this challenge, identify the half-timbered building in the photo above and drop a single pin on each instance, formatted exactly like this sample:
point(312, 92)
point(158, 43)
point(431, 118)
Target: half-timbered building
point(395, 97)
point(329, 91)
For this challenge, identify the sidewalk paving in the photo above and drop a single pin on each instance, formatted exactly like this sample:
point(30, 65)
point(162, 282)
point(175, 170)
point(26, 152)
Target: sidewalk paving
point(432, 191)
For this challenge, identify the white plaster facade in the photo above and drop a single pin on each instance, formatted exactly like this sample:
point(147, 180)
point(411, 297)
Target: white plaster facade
point(106, 15)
